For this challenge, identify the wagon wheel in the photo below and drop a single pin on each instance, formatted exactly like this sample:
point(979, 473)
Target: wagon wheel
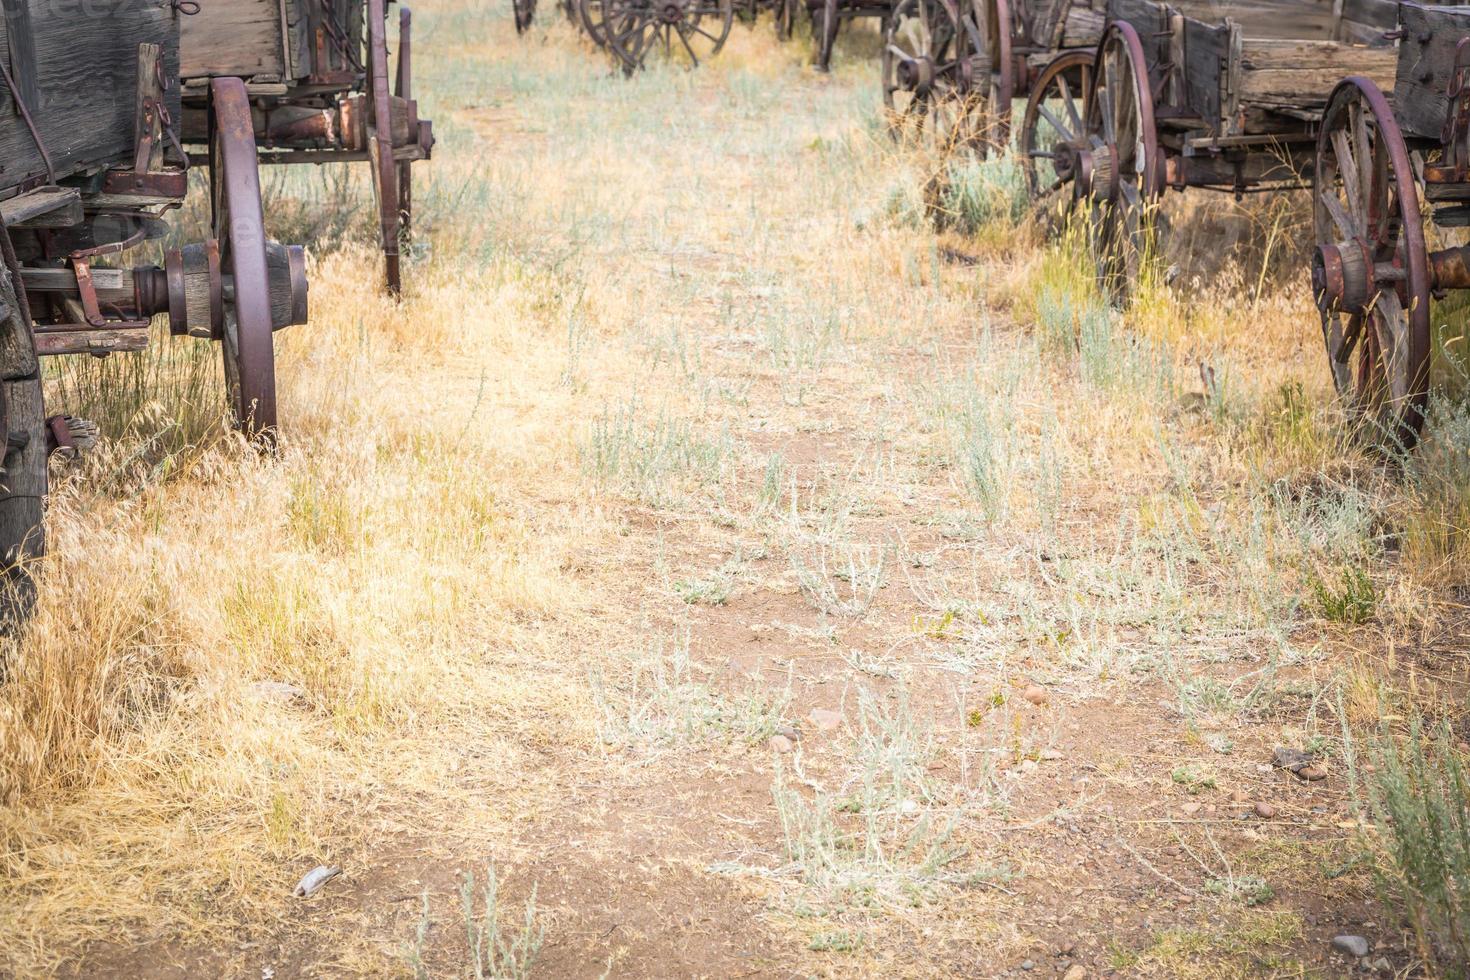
point(23, 480)
point(926, 91)
point(1052, 129)
point(1370, 270)
point(238, 226)
point(525, 12)
point(692, 29)
point(824, 31)
point(989, 78)
point(1122, 162)
point(380, 139)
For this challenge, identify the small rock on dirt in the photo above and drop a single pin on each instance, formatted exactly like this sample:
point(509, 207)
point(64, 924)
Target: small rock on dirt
point(1351, 945)
point(1027, 965)
point(789, 732)
point(825, 720)
point(1265, 811)
point(1381, 965)
point(313, 880)
point(1075, 972)
point(1051, 755)
point(1035, 693)
point(1300, 764)
point(780, 743)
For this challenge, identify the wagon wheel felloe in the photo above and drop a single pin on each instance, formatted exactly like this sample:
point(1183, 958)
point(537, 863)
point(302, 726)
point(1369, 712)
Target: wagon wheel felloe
point(1370, 272)
point(989, 69)
point(1119, 171)
point(238, 229)
point(1052, 139)
point(692, 30)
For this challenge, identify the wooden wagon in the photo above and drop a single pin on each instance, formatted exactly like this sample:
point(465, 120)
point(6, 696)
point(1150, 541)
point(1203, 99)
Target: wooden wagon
point(1181, 96)
point(1379, 165)
point(92, 162)
point(318, 78)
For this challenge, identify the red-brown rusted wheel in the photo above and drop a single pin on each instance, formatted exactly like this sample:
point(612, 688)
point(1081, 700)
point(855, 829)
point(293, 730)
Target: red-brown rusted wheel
point(1120, 169)
point(380, 143)
point(1370, 269)
point(238, 226)
point(1052, 133)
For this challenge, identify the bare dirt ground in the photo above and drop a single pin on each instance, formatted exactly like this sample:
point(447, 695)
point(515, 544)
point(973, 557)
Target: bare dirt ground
point(784, 603)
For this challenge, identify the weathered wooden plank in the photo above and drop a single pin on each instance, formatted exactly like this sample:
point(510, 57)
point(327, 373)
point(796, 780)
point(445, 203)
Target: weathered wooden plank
point(90, 341)
point(1302, 76)
point(1206, 67)
point(22, 46)
point(87, 66)
point(1366, 21)
point(239, 37)
point(47, 206)
point(1426, 60)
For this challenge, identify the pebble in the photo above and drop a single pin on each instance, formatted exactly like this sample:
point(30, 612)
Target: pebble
point(1189, 808)
point(825, 720)
point(789, 732)
point(780, 743)
point(1239, 796)
point(1035, 693)
point(1027, 965)
point(1265, 811)
point(1075, 972)
point(1051, 755)
point(1351, 945)
point(1381, 965)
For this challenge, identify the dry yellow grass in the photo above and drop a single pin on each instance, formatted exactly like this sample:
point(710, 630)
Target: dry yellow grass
point(672, 344)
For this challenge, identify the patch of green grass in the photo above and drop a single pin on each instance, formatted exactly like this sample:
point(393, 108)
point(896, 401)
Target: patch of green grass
point(1351, 600)
point(841, 941)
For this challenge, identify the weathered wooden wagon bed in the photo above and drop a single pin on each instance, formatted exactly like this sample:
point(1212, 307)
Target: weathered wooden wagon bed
point(91, 162)
point(318, 78)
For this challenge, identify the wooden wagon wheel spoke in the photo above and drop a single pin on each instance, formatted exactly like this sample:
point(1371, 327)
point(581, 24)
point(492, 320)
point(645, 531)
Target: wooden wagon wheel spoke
point(1056, 123)
point(684, 32)
point(1067, 100)
point(1347, 169)
point(1344, 223)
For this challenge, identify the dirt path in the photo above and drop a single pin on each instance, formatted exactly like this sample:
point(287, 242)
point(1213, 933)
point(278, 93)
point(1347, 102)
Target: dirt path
point(906, 642)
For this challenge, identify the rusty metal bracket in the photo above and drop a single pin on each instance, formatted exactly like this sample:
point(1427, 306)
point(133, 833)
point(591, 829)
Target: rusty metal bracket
point(81, 264)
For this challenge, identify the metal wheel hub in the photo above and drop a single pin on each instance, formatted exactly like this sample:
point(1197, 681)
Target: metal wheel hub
point(916, 74)
point(1101, 170)
point(1342, 276)
point(670, 13)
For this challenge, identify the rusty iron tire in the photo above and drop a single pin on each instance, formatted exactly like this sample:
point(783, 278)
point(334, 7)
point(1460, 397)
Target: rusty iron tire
point(824, 32)
point(591, 17)
point(1376, 226)
point(1126, 166)
point(238, 225)
point(525, 13)
point(380, 145)
point(1053, 123)
point(23, 483)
